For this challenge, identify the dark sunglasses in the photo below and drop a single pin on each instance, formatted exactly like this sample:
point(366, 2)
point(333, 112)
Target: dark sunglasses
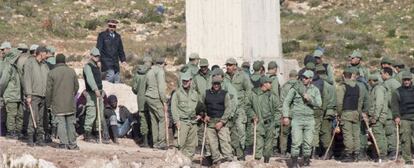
point(112, 26)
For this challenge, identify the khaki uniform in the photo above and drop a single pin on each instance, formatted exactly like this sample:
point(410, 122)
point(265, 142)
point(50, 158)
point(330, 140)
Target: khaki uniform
point(378, 111)
point(139, 88)
point(350, 119)
point(156, 98)
point(390, 130)
point(242, 85)
point(285, 129)
point(183, 108)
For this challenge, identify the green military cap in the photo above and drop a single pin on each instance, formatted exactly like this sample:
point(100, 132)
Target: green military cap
point(310, 65)
point(386, 60)
point(203, 62)
point(5, 45)
point(373, 77)
point(293, 73)
point(407, 75)
point(356, 54)
point(265, 79)
point(317, 53)
point(22, 46)
point(217, 71)
point(320, 67)
point(33, 47)
point(246, 64)
point(147, 59)
point(257, 65)
point(186, 76)
point(194, 56)
point(216, 79)
point(308, 74)
point(271, 65)
point(231, 61)
point(51, 49)
point(95, 52)
point(398, 63)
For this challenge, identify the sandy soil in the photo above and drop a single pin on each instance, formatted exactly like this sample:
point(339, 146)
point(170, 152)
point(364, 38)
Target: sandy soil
point(128, 154)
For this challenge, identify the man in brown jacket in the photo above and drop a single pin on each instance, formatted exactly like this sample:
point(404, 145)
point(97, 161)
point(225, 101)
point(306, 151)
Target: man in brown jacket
point(62, 86)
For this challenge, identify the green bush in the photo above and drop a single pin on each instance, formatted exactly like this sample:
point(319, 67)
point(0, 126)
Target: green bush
point(150, 15)
point(290, 46)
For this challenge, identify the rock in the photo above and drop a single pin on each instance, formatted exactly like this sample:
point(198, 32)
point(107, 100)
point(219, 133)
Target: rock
point(232, 165)
point(26, 161)
point(136, 165)
point(176, 159)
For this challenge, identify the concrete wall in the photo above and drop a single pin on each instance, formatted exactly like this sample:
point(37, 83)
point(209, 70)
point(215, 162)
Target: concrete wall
point(247, 30)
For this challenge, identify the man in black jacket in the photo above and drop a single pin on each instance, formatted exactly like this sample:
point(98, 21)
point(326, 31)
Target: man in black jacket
point(111, 48)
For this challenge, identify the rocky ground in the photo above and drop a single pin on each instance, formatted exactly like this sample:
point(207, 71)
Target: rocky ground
point(128, 154)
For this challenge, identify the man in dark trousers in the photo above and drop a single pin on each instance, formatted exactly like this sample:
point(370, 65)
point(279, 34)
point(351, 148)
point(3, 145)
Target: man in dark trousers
point(110, 46)
point(62, 86)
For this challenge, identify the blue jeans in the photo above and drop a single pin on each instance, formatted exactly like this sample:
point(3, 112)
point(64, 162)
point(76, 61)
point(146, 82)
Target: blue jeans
point(112, 77)
point(123, 128)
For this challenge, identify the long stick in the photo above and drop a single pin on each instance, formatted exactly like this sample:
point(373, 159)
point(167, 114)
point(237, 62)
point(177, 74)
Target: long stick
point(204, 143)
point(166, 127)
point(372, 136)
point(398, 141)
point(32, 115)
point(330, 142)
point(99, 119)
point(254, 139)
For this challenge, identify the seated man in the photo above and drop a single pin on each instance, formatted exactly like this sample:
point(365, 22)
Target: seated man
point(118, 118)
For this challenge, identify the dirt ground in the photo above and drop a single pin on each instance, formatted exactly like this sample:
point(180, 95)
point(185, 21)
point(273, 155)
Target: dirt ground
point(128, 154)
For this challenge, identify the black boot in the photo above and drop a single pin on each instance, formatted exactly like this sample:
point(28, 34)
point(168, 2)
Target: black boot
point(315, 153)
point(30, 140)
point(306, 161)
point(392, 155)
point(295, 162)
point(347, 158)
point(88, 137)
point(114, 130)
point(266, 159)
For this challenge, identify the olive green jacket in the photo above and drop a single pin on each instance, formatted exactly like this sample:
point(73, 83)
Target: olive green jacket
point(139, 87)
point(263, 106)
point(10, 80)
point(156, 85)
point(378, 103)
point(183, 105)
point(390, 85)
point(62, 86)
point(294, 103)
point(201, 82)
point(241, 83)
point(275, 85)
point(35, 77)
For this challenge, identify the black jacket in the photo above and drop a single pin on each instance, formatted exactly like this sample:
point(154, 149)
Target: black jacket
point(111, 49)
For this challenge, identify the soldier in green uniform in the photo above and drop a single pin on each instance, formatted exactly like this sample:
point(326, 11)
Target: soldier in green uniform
point(400, 69)
point(10, 82)
point(156, 99)
point(325, 115)
point(265, 108)
point(378, 114)
point(219, 109)
point(349, 106)
point(390, 130)
point(318, 54)
point(246, 68)
point(293, 79)
point(258, 72)
point(139, 89)
point(403, 108)
point(298, 105)
point(183, 108)
point(272, 74)
point(94, 88)
point(62, 86)
point(192, 64)
point(243, 85)
point(355, 61)
point(202, 80)
point(35, 78)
